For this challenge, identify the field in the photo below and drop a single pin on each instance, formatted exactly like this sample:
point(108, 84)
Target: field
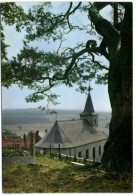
point(53, 175)
point(25, 120)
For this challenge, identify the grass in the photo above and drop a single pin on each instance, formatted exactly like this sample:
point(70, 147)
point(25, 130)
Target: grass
point(52, 175)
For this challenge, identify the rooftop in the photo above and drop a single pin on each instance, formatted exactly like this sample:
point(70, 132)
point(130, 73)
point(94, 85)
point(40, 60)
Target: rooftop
point(70, 134)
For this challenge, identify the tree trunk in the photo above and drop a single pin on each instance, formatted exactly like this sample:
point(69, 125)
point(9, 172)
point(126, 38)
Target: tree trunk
point(118, 149)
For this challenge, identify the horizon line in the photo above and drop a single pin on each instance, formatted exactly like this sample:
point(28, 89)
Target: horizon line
point(53, 109)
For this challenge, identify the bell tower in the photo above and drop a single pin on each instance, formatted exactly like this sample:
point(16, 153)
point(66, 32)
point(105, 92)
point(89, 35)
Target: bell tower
point(89, 112)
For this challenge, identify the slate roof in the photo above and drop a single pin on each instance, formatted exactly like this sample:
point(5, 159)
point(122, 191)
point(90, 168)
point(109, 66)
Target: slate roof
point(70, 133)
point(89, 109)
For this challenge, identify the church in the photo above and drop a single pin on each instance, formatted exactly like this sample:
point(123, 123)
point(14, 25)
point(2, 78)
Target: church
point(76, 137)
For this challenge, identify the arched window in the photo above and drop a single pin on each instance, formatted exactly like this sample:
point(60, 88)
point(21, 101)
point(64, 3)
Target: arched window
point(79, 154)
point(94, 153)
point(69, 151)
point(87, 154)
point(100, 150)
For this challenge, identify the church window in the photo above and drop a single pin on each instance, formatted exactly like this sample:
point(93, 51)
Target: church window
point(87, 154)
point(70, 152)
point(100, 150)
point(94, 153)
point(79, 154)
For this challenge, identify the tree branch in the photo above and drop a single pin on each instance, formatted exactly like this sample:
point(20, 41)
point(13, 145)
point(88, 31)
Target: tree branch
point(103, 26)
point(96, 62)
point(101, 5)
point(72, 12)
point(76, 56)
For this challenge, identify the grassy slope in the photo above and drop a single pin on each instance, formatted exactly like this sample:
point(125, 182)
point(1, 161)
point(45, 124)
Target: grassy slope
point(52, 175)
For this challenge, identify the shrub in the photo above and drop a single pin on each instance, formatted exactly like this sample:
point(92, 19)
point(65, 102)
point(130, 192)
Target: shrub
point(75, 159)
point(13, 153)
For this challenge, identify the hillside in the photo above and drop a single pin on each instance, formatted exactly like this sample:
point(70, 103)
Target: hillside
point(50, 175)
point(25, 120)
point(29, 116)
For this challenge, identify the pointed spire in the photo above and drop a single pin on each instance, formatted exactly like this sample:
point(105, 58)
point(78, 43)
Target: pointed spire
point(89, 109)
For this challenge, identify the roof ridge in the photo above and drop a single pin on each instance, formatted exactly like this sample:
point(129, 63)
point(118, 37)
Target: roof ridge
point(69, 120)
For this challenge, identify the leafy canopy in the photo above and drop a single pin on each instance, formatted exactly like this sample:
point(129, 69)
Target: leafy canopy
point(69, 63)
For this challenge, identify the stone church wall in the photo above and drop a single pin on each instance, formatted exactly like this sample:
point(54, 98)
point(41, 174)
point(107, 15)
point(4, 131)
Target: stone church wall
point(92, 151)
point(86, 151)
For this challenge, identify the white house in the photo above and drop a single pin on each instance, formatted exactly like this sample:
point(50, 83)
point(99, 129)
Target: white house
point(80, 138)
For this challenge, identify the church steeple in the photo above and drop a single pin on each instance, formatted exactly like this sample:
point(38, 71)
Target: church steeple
point(89, 112)
point(89, 109)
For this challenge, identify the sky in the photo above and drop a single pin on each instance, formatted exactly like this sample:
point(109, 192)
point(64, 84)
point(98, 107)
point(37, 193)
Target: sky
point(14, 97)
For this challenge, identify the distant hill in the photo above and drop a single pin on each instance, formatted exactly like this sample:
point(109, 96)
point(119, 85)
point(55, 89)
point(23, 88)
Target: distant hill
point(25, 120)
point(33, 115)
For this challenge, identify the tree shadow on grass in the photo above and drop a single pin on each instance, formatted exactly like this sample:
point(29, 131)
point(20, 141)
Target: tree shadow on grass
point(41, 178)
point(86, 179)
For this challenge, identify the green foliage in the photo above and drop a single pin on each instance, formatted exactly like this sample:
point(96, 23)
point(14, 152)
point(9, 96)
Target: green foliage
point(13, 153)
point(10, 134)
point(60, 157)
point(4, 47)
point(11, 14)
point(41, 22)
point(85, 160)
point(75, 159)
point(45, 152)
point(42, 70)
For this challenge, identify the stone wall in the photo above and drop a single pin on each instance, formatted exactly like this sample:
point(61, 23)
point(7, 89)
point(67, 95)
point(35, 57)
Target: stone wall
point(9, 161)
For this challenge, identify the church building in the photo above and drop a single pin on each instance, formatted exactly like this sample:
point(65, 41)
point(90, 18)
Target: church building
point(76, 137)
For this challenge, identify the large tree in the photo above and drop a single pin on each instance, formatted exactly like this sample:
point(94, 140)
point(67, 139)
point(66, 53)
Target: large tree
point(42, 70)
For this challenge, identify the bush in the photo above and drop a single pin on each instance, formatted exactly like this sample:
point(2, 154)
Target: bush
point(10, 134)
point(85, 160)
point(13, 153)
point(75, 159)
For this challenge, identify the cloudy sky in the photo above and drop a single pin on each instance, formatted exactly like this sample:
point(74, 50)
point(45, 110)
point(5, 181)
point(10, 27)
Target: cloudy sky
point(69, 98)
